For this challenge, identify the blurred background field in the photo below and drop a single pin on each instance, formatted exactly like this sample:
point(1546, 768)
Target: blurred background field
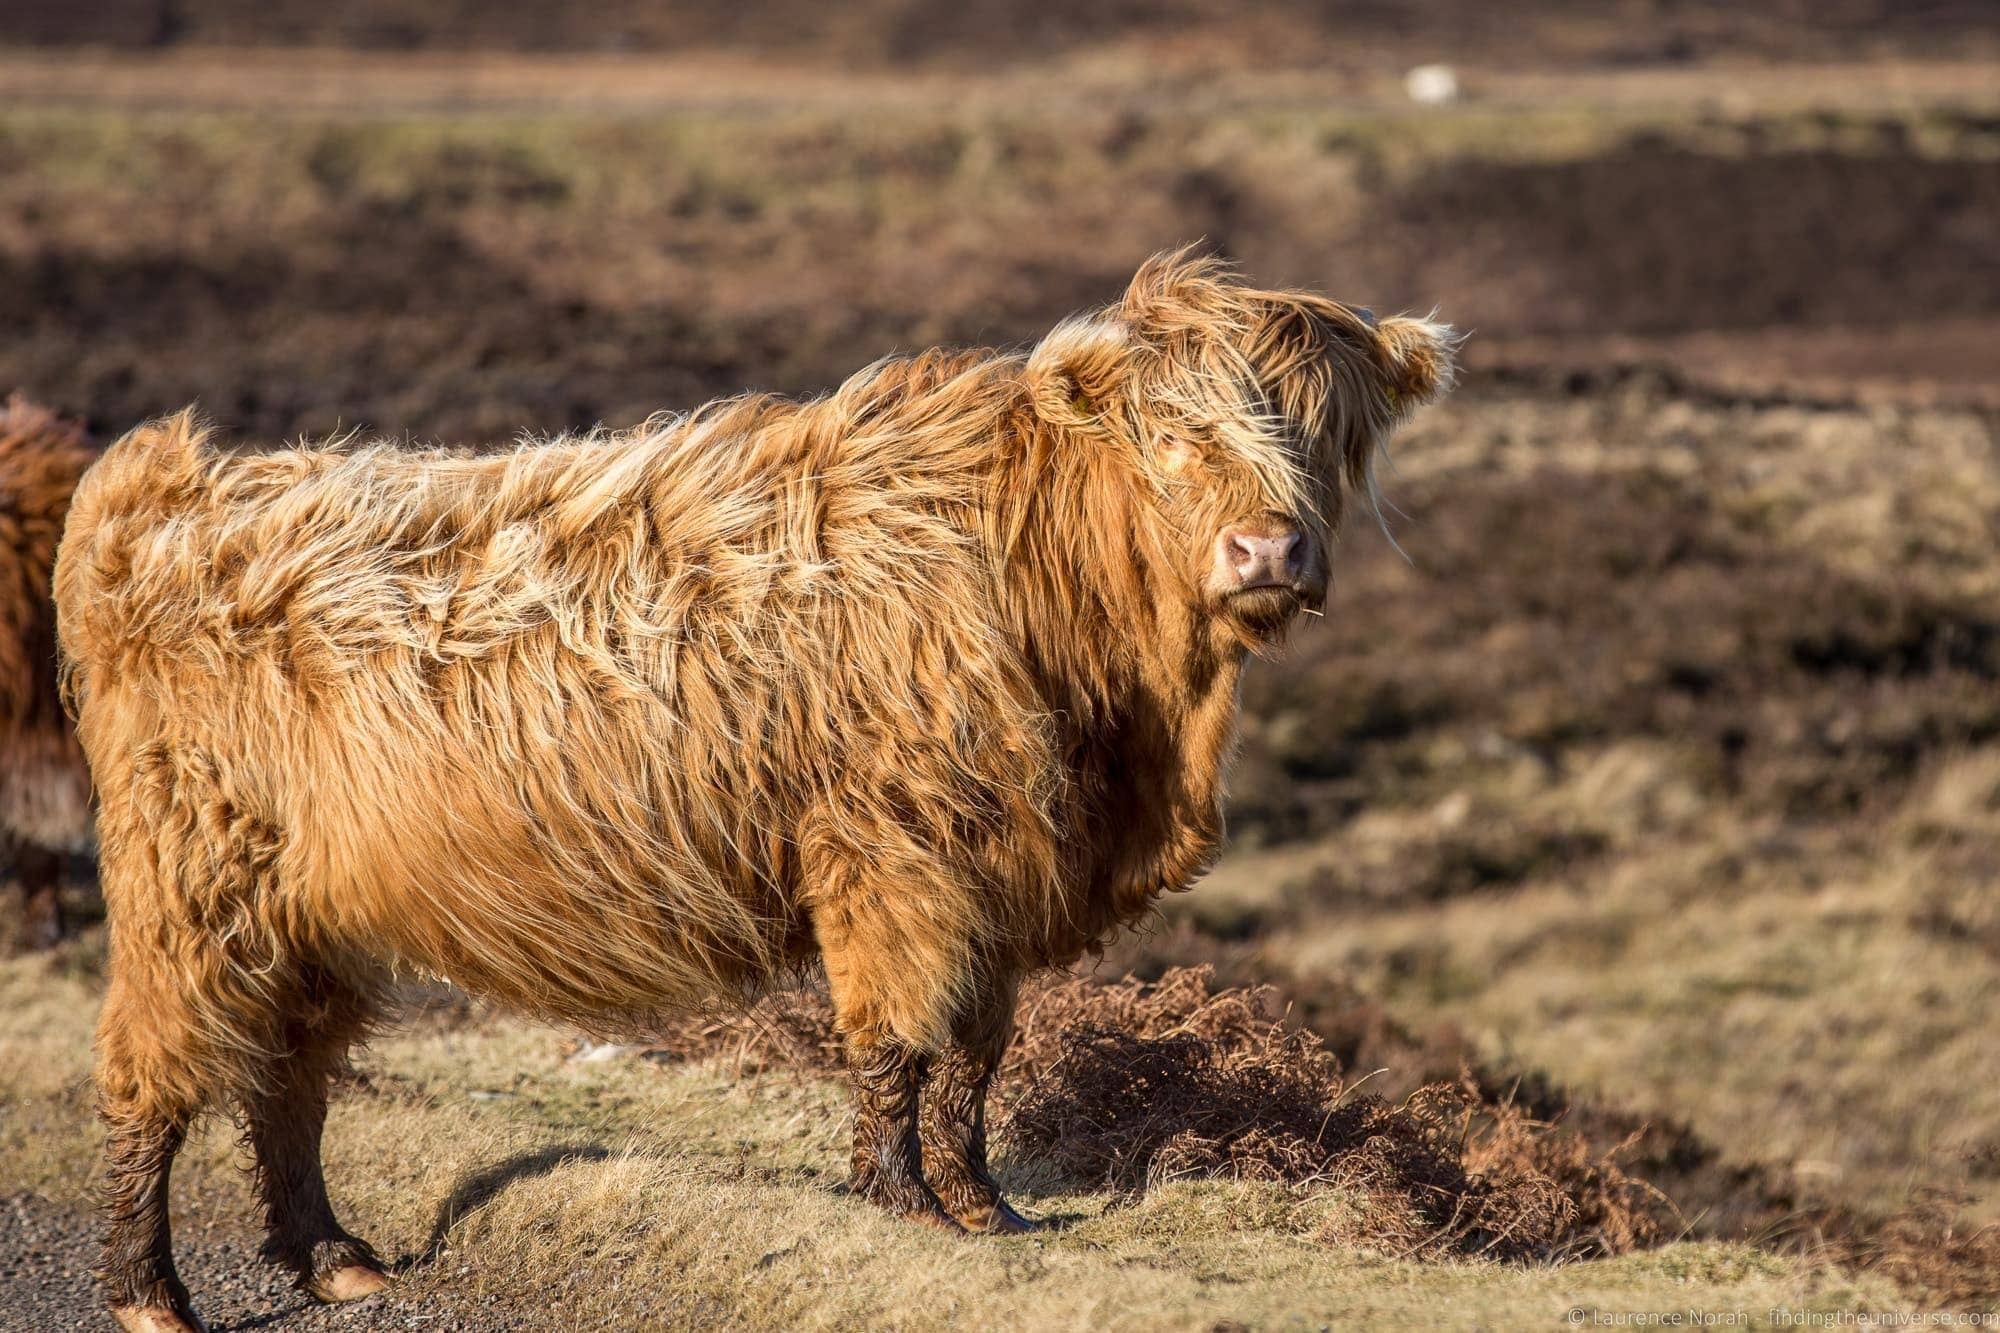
point(1656, 778)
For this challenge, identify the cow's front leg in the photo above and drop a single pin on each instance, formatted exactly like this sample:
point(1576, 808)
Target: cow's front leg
point(895, 927)
point(886, 989)
point(953, 1122)
point(888, 1161)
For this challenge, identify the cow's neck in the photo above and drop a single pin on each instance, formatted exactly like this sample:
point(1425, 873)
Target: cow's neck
point(1165, 742)
point(1145, 689)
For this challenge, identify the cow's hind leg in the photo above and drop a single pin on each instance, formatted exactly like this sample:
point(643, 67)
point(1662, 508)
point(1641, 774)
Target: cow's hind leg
point(283, 1118)
point(148, 1095)
point(211, 997)
point(954, 1117)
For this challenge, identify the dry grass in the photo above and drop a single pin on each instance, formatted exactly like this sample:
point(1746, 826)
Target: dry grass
point(572, 1193)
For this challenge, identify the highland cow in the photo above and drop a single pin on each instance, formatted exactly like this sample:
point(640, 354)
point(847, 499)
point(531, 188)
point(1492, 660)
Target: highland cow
point(44, 788)
point(932, 680)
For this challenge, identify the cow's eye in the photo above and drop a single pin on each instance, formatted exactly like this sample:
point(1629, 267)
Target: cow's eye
point(1176, 455)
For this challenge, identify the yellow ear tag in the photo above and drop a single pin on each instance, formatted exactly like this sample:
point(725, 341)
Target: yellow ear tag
point(1082, 403)
point(1391, 392)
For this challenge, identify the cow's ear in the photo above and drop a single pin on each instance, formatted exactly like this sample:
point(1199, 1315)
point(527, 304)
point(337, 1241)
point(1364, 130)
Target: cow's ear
point(1176, 288)
point(1421, 356)
point(1076, 374)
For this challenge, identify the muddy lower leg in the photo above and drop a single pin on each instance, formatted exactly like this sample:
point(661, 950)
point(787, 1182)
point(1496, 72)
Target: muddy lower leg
point(890, 972)
point(150, 1088)
point(888, 1163)
point(283, 1127)
point(137, 1266)
point(954, 1122)
point(954, 1144)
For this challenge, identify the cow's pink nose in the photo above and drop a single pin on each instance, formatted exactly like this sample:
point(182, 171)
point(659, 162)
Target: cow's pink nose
point(1258, 557)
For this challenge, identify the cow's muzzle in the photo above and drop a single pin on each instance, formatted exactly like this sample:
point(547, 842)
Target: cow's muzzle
point(1271, 554)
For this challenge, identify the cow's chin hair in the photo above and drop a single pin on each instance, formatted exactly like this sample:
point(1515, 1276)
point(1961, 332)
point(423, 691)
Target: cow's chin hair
point(1261, 616)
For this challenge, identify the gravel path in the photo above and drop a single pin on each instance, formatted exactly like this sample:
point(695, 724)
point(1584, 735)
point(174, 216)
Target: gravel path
point(45, 1284)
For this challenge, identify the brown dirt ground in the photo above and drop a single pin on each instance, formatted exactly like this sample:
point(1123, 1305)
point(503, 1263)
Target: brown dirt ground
point(466, 284)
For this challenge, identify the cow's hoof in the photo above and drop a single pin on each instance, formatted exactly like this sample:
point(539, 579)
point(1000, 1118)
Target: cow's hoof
point(1001, 1220)
point(156, 1319)
point(1006, 1222)
point(911, 1200)
point(934, 1216)
point(349, 1282)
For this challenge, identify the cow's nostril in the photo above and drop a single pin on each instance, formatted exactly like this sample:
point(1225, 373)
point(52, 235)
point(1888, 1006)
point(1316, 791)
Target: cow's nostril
point(1244, 555)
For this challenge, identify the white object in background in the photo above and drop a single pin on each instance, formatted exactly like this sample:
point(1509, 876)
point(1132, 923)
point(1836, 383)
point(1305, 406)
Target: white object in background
point(1431, 85)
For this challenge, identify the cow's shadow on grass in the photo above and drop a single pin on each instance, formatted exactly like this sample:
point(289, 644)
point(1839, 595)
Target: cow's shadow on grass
point(484, 1186)
point(1030, 1190)
point(472, 1193)
point(1025, 1186)
point(1040, 1193)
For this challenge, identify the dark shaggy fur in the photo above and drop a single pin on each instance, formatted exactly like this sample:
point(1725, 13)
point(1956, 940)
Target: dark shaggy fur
point(44, 788)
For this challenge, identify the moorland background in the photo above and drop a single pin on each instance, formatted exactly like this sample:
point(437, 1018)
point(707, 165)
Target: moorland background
point(1655, 780)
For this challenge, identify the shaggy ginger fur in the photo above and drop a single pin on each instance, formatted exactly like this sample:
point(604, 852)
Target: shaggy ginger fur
point(930, 679)
point(44, 788)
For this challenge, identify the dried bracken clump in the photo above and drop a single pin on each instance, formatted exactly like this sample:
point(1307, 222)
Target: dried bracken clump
point(1131, 1083)
point(1929, 1250)
point(787, 1029)
point(1608, 1210)
point(1134, 1083)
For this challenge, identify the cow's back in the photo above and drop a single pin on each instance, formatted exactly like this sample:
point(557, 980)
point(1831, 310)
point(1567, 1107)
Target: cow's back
point(390, 670)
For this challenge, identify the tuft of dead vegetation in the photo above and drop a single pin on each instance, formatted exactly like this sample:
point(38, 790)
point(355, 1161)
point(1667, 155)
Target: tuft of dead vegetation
point(1930, 1251)
point(1134, 1083)
point(787, 1029)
